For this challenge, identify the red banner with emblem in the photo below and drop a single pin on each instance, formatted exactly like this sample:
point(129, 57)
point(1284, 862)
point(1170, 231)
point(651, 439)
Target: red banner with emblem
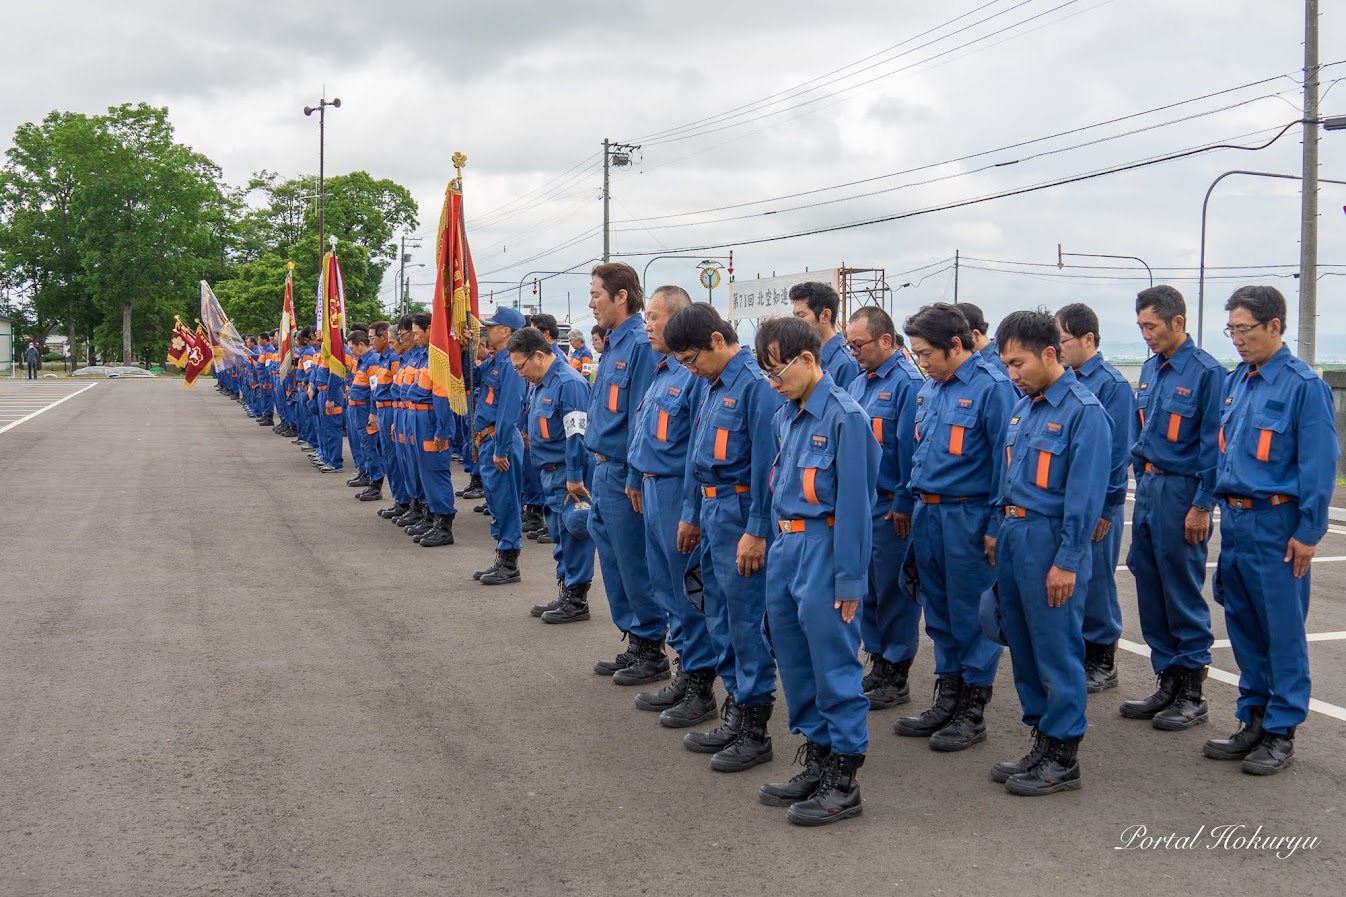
point(177, 344)
point(199, 355)
point(333, 315)
point(287, 327)
point(453, 316)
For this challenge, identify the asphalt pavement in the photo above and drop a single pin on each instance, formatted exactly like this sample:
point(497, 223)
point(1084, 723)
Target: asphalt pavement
point(221, 674)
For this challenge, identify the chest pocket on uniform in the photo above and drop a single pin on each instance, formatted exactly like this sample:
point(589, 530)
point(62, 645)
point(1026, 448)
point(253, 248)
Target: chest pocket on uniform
point(666, 408)
point(920, 419)
point(727, 424)
point(546, 421)
point(960, 422)
point(1049, 450)
point(878, 421)
point(811, 463)
point(1269, 430)
point(618, 381)
point(1179, 408)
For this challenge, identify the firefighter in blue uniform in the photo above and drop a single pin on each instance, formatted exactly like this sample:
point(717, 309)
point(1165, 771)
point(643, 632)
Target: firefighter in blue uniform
point(659, 445)
point(1175, 457)
point(961, 415)
point(557, 421)
point(1277, 468)
point(1055, 480)
point(623, 376)
point(982, 341)
point(819, 306)
point(266, 393)
point(432, 426)
point(823, 484)
point(886, 388)
point(380, 377)
point(728, 503)
point(500, 447)
point(1102, 611)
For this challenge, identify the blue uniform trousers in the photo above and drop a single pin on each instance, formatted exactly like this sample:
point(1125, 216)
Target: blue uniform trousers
point(329, 434)
point(954, 572)
point(619, 535)
point(462, 443)
point(503, 488)
point(816, 651)
point(1265, 609)
point(1102, 610)
point(574, 554)
point(308, 420)
point(532, 481)
point(433, 467)
point(265, 404)
point(890, 620)
point(735, 605)
point(1174, 616)
point(1046, 643)
point(406, 454)
point(353, 435)
point(662, 500)
point(374, 468)
point(392, 466)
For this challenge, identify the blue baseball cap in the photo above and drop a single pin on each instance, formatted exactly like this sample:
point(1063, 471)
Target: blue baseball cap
point(575, 517)
point(506, 317)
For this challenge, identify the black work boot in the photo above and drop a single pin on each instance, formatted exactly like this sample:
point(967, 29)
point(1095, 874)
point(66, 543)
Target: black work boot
point(1058, 770)
point(967, 726)
point(473, 490)
point(412, 515)
point(1006, 768)
point(697, 704)
point(721, 736)
point(574, 606)
point(947, 693)
point(1276, 752)
point(395, 511)
point(620, 662)
point(491, 569)
point(877, 668)
point(422, 526)
point(752, 747)
point(891, 689)
point(1100, 666)
point(782, 794)
point(838, 794)
point(1241, 743)
point(372, 492)
point(359, 481)
point(1163, 696)
point(440, 534)
point(651, 663)
point(668, 696)
point(506, 573)
point(1188, 708)
point(532, 519)
point(267, 421)
point(538, 610)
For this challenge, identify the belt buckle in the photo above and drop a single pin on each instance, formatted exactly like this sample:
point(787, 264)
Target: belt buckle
point(1015, 511)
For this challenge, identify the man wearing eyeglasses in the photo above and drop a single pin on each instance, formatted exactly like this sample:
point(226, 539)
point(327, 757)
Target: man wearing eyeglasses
point(886, 388)
point(1102, 610)
point(728, 503)
point(1175, 457)
point(1277, 466)
point(819, 306)
point(961, 416)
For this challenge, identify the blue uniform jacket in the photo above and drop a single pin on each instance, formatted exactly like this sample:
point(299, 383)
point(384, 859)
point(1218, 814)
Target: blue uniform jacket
point(664, 420)
point(829, 434)
point(839, 362)
point(558, 419)
point(1278, 436)
point(735, 415)
point(991, 355)
point(1178, 412)
point(624, 374)
point(960, 432)
point(888, 396)
point(1057, 446)
point(1119, 401)
point(501, 402)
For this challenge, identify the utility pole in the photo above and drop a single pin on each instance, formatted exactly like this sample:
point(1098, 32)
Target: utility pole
point(955, 276)
point(402, 273)
point(618, 154)
point(1308, 223)
point(321, 109)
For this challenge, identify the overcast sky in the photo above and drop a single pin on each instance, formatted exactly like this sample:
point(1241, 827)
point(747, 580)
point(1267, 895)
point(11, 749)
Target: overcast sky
point(529, 89)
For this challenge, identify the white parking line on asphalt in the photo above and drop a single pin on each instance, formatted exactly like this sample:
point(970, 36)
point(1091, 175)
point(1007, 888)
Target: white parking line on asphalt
point(1213, 564)
point(1315, 705)
point(10, 426)
point(1312, 636)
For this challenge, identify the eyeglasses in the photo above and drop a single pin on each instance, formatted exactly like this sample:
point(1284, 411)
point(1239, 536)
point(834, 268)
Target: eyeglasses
point(691, 362)
point(779, 376)
point(1232, 332)
point(1066, 339)
point(857, 346)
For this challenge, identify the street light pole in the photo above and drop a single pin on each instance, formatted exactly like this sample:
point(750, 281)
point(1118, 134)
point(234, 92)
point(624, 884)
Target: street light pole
point(1308, 223)
point(321, 109)
point(1060, 259)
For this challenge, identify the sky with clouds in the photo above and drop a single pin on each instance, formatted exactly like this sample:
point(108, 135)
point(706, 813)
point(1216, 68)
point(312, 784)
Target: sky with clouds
point(758, 120)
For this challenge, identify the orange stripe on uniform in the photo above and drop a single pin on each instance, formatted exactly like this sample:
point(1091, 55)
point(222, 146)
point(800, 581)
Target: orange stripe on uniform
point(956, 439)
point(1044, 469)
point(878, 429)
point(490, 395)
point(810, 487)
point(1140, 412)
point(721, 445)
point(542, 426)
point(1264, 445)
point(661, 433)
point(1174, 426)
point(1222, 439)
point(613, 391)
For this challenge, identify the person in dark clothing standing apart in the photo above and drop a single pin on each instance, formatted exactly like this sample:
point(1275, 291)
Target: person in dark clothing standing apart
point(34, 360)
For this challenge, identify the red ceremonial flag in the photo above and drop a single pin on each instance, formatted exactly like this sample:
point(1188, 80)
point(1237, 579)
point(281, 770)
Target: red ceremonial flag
point(287, 327)
point(199, 355)
point(177, 345)
point(454, 312)
point(333, 318)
